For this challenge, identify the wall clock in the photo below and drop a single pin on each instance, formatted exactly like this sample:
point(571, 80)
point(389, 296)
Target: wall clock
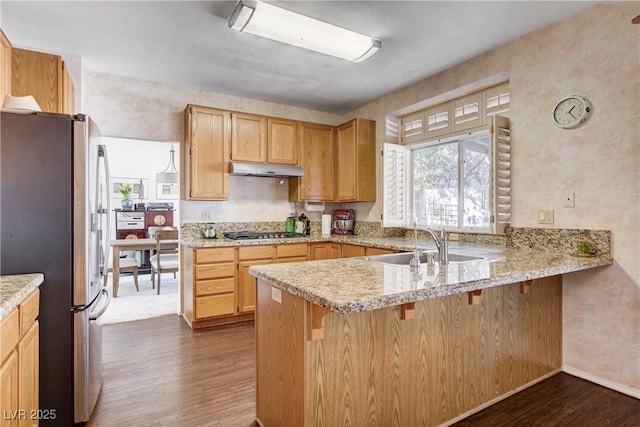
point(159, 220)
point(571, 112)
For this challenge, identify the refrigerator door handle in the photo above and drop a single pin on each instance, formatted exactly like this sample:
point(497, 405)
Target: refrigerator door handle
point(99, 312)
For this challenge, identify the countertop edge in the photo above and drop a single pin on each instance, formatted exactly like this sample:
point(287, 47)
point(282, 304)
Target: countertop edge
point(15, 288)
point(377, 302)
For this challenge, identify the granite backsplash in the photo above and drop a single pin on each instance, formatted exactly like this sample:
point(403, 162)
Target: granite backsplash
point(550, 239)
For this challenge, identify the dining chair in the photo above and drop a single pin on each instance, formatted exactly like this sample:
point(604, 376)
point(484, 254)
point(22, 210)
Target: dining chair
point(166, 257)
point(126, 264)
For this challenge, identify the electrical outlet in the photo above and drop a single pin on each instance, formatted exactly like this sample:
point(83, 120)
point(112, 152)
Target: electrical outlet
point(545, 216)
point(206, 215)
point(569, 199)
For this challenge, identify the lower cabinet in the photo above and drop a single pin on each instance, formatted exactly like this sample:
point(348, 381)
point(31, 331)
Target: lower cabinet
point(19, 373)
point(325, 250)
point(216, 285)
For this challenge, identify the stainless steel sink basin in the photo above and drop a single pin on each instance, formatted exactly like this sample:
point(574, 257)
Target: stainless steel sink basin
point(404, 258)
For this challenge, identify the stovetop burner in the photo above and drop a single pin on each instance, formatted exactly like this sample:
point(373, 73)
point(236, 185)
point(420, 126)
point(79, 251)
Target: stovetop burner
point(246, 235)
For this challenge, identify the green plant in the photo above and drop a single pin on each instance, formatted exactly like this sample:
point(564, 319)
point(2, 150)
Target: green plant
point(126, 190)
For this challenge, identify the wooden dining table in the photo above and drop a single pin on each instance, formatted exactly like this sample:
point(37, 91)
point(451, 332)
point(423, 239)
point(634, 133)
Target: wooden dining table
point(121, 245)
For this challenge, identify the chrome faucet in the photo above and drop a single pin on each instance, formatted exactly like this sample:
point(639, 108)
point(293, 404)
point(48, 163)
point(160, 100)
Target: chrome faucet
point(442, 243)
point(414, 264)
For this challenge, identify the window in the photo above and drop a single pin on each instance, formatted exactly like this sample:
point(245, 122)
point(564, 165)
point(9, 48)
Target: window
point(461, 183)
point(450, 183)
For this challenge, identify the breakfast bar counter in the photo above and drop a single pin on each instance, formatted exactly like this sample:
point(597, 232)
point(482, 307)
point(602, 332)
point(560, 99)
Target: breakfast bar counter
point(352, 341)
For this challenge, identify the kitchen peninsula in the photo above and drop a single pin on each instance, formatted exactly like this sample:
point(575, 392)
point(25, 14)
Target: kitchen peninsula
point(351, 341)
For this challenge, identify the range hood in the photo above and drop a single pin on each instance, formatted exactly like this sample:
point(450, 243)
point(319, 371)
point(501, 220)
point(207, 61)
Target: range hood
point(258, 169)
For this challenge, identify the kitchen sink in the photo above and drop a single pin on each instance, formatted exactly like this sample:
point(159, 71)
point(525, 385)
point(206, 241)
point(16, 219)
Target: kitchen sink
point(404, 258)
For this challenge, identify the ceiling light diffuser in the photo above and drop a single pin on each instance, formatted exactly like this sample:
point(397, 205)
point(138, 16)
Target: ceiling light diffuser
point(278, 24)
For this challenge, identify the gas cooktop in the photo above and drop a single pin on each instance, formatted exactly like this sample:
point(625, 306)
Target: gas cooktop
point(246, 235)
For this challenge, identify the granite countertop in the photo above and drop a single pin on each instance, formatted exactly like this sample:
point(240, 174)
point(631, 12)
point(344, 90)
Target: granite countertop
point(352, 285)
point(15, 288)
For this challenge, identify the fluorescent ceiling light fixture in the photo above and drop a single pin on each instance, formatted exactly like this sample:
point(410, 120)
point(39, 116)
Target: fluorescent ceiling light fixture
point(278, 24)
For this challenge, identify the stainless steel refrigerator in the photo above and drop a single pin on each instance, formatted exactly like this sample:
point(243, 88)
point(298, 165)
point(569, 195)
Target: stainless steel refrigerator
point(54, 220)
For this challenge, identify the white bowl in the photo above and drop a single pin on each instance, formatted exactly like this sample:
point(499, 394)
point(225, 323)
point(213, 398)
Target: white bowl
point(20, 103)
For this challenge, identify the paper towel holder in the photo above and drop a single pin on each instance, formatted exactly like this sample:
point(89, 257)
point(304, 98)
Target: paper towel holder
point(314, 206)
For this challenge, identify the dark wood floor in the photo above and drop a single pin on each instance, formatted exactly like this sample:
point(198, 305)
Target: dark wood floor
point(160, 373)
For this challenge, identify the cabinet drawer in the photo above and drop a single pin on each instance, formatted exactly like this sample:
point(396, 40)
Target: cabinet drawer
point(204, 255)
point(9, 333)
point(219, 286)
point(29, 309)
point(214, 305)
point(293, 250)
point(255, 252)
point(214, 271)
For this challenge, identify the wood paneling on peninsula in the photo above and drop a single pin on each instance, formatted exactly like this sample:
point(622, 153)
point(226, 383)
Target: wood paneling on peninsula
point(373, 368)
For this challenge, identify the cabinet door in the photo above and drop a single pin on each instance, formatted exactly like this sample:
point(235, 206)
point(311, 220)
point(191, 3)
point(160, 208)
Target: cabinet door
point(316, 149)
point(282, 142)
point(370, 251)
point(67, 92)
point(356, 161)
point(5, 66)
point(206, 156)
point(349, 251)
point(9, 391)
point(247, 285)
point(38, 74)
point(248, 138)
point(325, 250)
point(28, 377)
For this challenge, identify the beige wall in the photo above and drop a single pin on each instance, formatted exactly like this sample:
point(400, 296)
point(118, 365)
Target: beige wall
point(594, 54)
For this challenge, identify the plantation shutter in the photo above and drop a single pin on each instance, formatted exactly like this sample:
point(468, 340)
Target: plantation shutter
point(501, 147)
point(394, 191)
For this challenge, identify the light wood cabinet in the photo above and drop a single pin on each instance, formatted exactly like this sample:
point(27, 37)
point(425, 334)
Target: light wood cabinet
point(19, 369)
point(5, 66)
point(350, 251)
point(216, 285)
point(324, 250)
point(248, 256)
point(356, 161)
point(208, 283)
point(282, 141)
point(45, 77)
point(248, 138)
point(371, 251)
point(317, 161)
point(205, 157)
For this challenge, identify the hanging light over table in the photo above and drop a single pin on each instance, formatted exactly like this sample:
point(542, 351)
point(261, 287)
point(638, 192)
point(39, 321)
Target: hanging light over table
point(170, 174)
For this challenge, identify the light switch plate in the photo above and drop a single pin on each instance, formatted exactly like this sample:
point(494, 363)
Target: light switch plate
point(545, 216)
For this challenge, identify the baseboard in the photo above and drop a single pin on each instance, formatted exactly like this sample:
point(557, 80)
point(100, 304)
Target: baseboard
point(601, 381)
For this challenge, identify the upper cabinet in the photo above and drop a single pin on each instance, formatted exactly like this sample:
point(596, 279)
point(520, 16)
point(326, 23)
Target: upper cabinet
point(205, 157)
point(317, 161)
point(5, 66)
point(282, 141)
point(356, 161)
point(43, 76)
point(260, 139)
point(248, 138)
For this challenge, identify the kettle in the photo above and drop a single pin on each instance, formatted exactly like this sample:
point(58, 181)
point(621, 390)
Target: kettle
point(290, 224)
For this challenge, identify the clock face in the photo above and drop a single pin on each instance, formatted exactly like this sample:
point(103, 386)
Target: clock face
point(159, 220)
point(571, 112)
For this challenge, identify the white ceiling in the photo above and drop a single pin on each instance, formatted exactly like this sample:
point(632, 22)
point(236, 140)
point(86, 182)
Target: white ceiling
point(189, 44)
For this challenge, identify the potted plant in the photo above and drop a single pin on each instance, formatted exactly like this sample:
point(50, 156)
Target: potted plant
point(127, 203)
